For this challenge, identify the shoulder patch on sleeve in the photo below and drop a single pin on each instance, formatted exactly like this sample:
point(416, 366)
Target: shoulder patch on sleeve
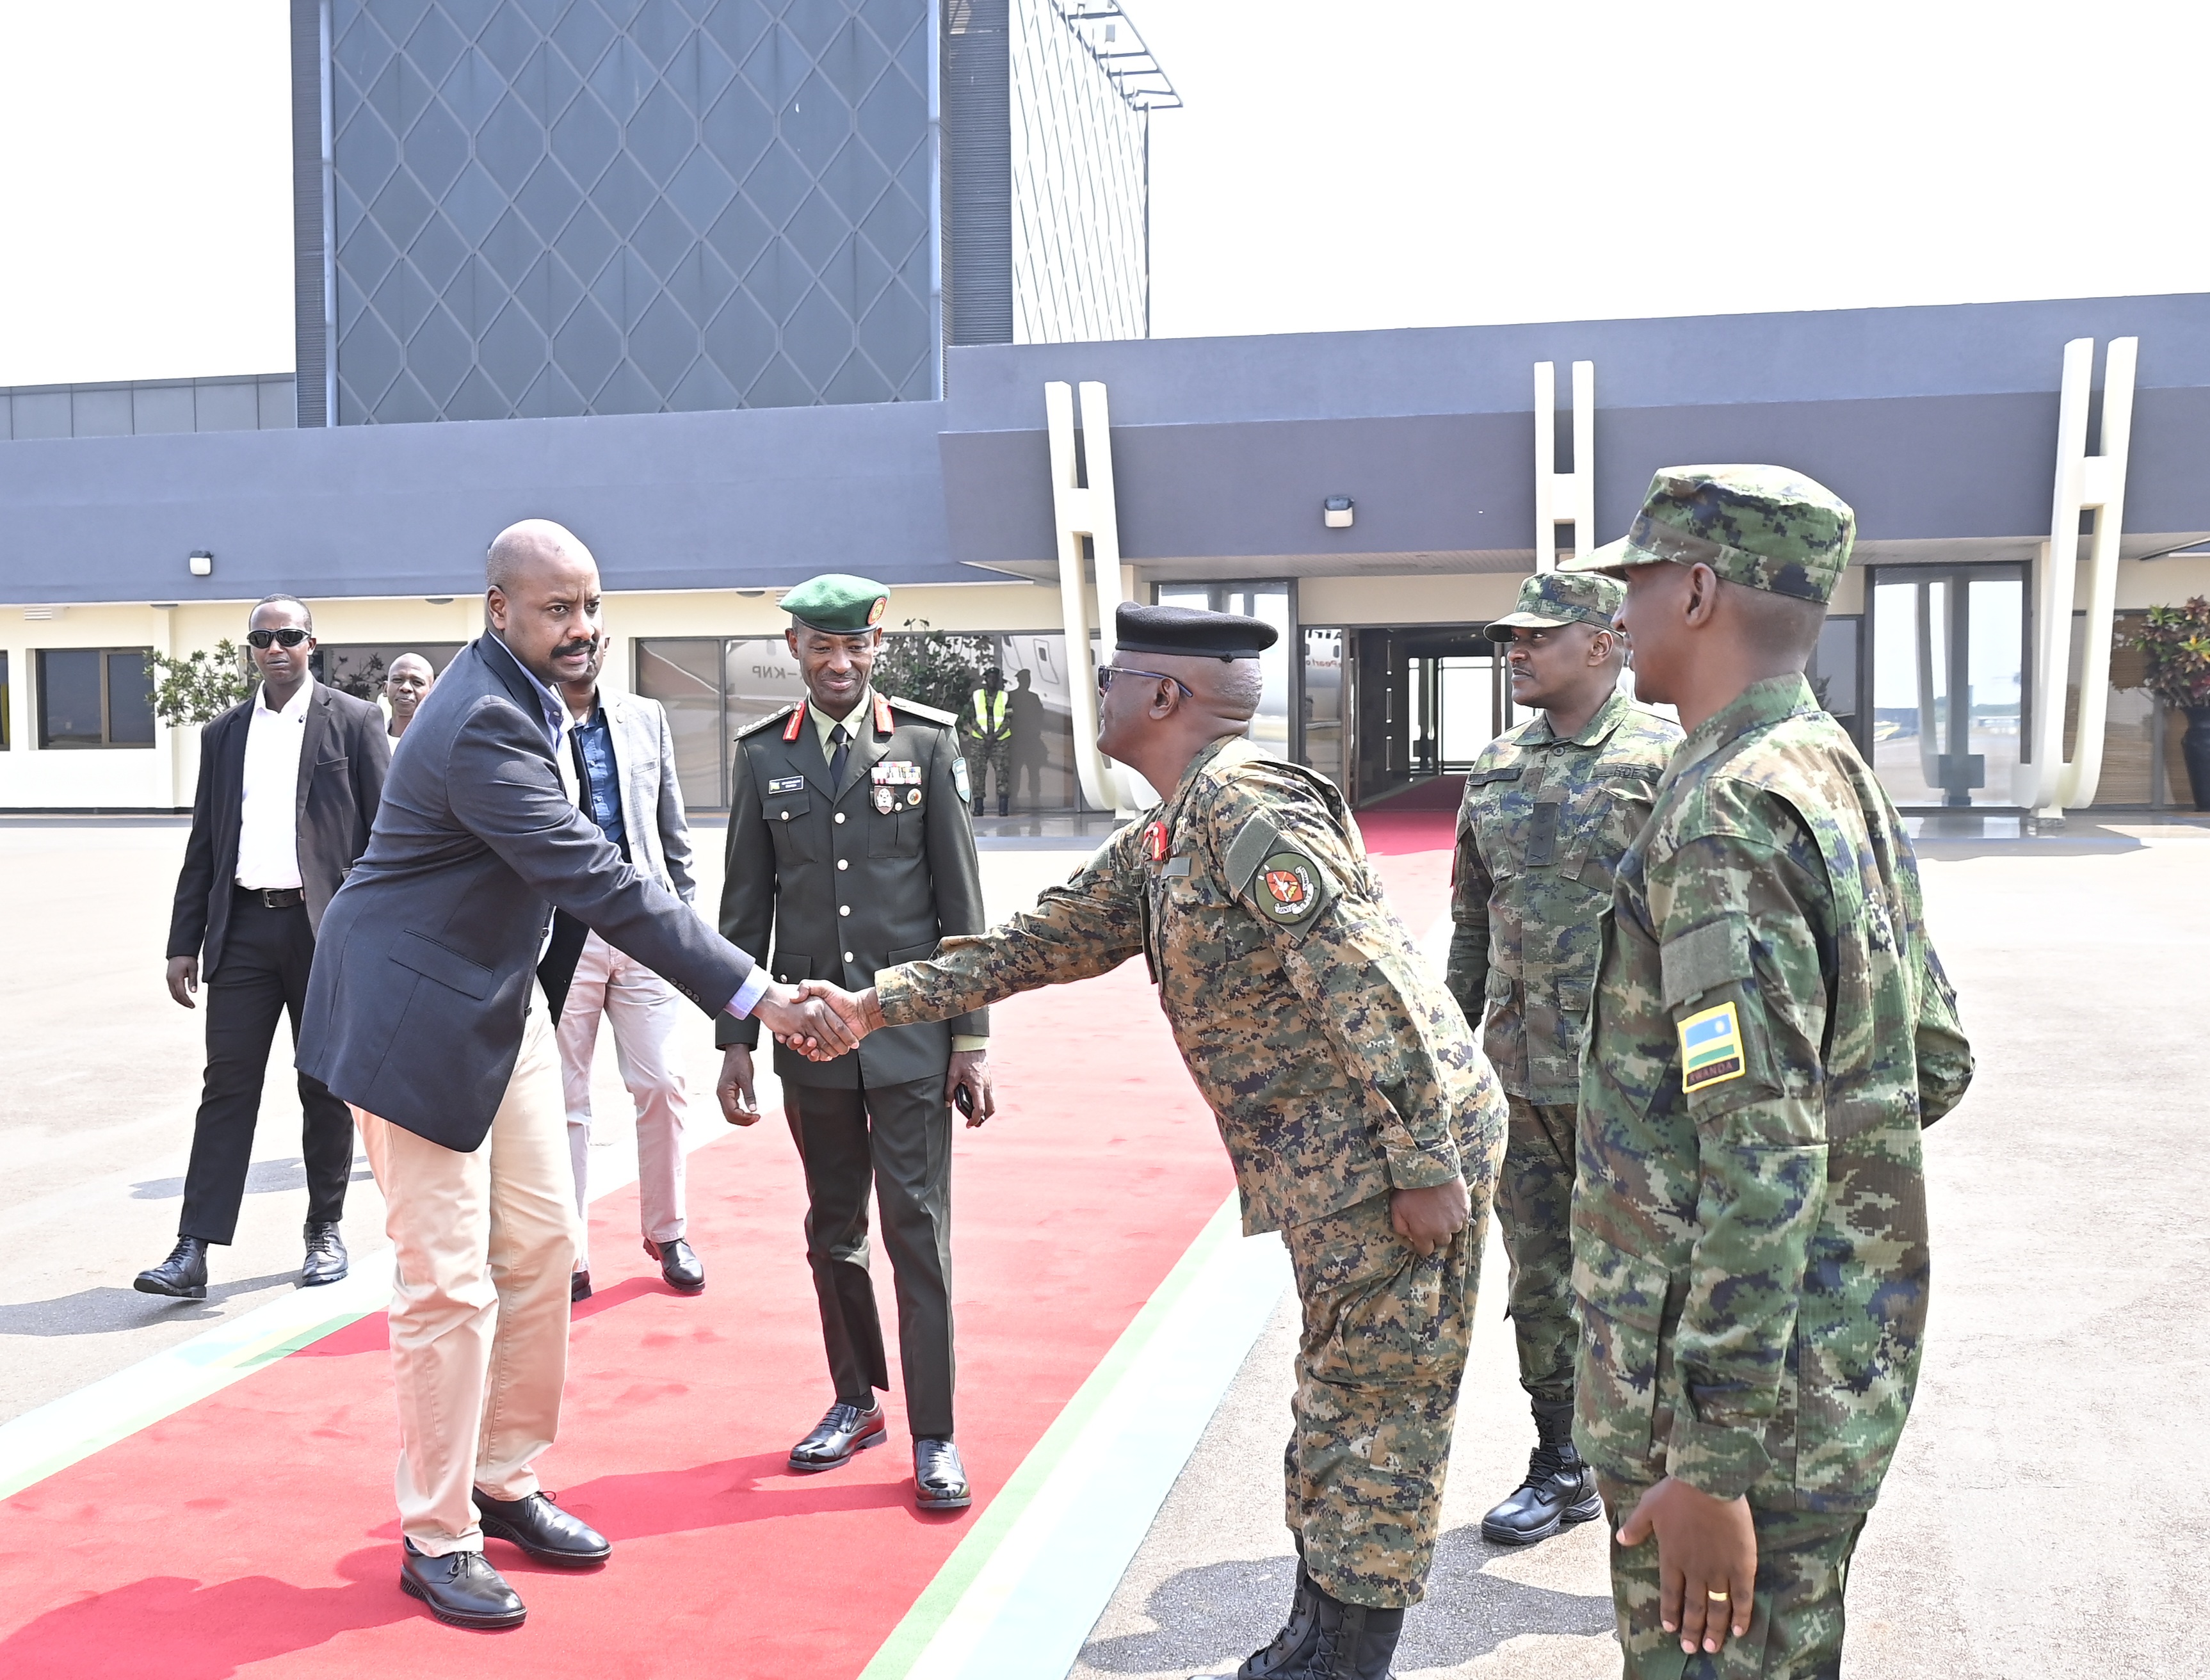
point(947, 719)
point(773, 717)
point(1703, 959)
point(1289, 887)
point(1711, 1048)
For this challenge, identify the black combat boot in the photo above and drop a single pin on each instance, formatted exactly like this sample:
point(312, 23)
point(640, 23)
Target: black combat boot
point(1328, 1640)
point(1560, 1489)
point(184, 1274)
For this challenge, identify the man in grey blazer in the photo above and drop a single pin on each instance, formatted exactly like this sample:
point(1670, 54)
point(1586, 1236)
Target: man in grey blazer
point(624, 757)
point(423, 1015)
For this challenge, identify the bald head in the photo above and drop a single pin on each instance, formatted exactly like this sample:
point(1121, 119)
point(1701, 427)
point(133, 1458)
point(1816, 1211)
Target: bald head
point(542, 601)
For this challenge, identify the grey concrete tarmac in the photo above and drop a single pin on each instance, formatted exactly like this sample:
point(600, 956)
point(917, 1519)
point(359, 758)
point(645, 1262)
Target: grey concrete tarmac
point(2036, 1522)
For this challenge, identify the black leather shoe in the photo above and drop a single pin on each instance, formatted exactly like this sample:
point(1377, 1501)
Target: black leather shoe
point(1560, 1489)
point(543, 1529)
point(184, 1274)
point(461, 1588)
point(326, 1255)
point(579, 1286)
point(678, 1264)
point(845, 1430)
point(939, 1480)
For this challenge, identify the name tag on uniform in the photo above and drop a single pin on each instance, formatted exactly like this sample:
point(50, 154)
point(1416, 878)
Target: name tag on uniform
point(785, 784)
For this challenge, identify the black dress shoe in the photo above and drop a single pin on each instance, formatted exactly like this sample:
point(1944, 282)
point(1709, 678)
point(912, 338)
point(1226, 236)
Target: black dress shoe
point(939, 1480)
point(326, 1255)
point(678, 1264)
point(845, 1430)
point(543, 1529)
point(579, 1286)
point(184, 1274)
point(461, 1588)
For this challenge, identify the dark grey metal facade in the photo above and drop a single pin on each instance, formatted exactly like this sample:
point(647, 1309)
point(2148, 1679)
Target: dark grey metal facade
point(978, 175)
point(602, 207)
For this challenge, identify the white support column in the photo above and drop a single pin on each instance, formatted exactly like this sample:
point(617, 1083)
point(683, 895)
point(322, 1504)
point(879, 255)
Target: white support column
point(1564, 497)
point(1081, 511)
point(2083, 482)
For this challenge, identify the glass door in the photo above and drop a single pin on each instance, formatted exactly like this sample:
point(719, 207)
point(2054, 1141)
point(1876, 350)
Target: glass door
point(1948, 683)
point(1270, 729)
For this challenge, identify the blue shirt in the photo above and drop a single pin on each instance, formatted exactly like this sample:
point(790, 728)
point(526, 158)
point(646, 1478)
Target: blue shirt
point(548, 702)
point(595, 746)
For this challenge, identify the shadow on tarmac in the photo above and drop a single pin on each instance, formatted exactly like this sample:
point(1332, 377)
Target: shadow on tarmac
point(261, 1179)
point(1223, 1611)
point(95, 1312)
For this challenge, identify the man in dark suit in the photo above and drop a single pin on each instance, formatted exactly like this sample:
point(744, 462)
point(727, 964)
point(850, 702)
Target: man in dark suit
point(289, 780)
point(424, 1014)
point(848, 835)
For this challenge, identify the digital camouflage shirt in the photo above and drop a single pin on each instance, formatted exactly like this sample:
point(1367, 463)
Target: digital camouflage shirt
point(1771, 1031)
point(1336, 1064)
point(1540, 831)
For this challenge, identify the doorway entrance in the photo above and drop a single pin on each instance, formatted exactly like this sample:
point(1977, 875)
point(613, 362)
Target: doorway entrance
point(1950, 711)
point(1426, 700)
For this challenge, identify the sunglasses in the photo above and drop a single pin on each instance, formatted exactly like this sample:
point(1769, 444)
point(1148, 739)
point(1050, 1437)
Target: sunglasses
point(288, 638)
point(1107, 673)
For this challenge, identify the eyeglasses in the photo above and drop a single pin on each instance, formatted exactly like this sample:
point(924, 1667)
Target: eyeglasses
point(287, 637)
point(1107, 673)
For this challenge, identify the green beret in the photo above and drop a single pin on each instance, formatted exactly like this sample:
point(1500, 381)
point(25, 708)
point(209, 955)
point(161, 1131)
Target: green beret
point(838, 602)
point(1766, 527)
point(1550, 598)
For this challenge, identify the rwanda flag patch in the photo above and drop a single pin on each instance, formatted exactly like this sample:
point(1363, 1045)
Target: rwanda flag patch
point(1711, 1048)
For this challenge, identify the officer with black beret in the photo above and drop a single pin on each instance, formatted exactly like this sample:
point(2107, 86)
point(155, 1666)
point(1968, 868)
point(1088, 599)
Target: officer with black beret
point(849, 837)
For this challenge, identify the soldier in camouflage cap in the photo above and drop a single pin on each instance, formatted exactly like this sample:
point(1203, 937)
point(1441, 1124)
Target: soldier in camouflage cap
point(1548, 807)
point(1362, 1120)
point(1771, 1031)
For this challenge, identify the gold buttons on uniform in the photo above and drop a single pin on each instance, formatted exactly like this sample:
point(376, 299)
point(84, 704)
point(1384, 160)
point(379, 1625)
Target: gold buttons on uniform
point(843, 864)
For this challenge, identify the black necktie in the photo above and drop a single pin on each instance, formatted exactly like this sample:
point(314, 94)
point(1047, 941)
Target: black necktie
point(840, 757)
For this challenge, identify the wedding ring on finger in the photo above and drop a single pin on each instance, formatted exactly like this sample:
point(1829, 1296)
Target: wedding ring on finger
point(1716, 1598)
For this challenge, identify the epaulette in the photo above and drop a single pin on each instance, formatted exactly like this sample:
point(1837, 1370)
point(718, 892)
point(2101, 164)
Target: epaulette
point(771, 719)
point(949, 719)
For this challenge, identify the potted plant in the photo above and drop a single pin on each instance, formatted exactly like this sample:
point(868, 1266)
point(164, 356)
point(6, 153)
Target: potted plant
point(2174, 643)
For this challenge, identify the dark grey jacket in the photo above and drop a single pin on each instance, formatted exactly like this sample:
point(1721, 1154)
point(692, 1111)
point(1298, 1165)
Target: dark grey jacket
point(801, 852)
point(425, 965)
point(343, 756)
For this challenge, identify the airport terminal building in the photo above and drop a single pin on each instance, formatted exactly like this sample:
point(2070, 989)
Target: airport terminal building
point(745, 292)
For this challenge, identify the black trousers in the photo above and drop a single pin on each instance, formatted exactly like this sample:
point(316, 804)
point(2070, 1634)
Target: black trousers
point(899, 1137)
point(263, 974)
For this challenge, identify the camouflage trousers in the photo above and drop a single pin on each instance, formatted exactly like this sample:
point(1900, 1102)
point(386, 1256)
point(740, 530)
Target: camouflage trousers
point(1795, 1628)
point(1535, 1209)
point(1383, 1349)
point(984, 758)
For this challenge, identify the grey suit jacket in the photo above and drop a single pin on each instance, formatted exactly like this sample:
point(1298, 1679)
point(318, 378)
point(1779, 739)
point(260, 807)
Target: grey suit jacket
point(425, 968)
point(651, 799)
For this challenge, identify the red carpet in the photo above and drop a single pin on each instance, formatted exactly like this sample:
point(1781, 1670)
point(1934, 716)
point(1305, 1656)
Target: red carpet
point(254, 1532)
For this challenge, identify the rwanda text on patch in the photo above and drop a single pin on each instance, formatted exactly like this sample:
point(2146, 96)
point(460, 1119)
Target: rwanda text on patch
point(1711, 1048)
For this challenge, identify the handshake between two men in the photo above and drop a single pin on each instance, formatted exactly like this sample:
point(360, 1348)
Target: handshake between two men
point(821, 1021)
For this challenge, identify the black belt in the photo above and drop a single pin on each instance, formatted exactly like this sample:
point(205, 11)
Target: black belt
point(275, 898)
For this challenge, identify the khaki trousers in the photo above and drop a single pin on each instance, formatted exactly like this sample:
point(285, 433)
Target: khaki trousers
point(485, 1243)
point(647, 1013)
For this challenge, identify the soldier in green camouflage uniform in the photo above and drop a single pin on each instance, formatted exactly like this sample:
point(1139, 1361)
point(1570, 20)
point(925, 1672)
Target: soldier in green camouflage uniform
point(1549, 805)
point(1772, 1032)
point(1347, 1087)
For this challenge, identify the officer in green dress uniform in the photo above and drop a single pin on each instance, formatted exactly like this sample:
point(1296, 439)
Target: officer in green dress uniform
point(1362, 1120)
point(849, 838)
point(1772, 1032)
point(1549, 805)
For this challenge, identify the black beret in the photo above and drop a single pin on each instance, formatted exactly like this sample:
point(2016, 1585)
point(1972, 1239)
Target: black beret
point(1185, 630)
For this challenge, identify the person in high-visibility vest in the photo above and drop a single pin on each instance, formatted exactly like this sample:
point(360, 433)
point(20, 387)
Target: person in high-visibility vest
point(987, 735)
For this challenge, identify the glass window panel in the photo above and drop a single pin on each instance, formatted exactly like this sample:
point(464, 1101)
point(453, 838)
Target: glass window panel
point(357, 668)
point(685, 675)
point(69, 696)
point(6, 707)
point(1948, 688)
point(1994, 684)
point(1467, 706)
point(130, 700)
point(1323, 704)
point(1833, 669)
point(762, 677)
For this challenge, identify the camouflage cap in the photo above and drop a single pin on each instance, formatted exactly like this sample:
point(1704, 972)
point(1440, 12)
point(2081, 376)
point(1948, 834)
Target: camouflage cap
point(1767, 527)
point(1549, 599)
point(839, 603)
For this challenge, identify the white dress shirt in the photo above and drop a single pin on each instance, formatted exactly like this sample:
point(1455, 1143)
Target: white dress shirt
point(268, 817)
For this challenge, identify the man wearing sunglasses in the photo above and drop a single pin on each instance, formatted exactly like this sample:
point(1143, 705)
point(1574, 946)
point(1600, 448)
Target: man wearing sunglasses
point(289, 787)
